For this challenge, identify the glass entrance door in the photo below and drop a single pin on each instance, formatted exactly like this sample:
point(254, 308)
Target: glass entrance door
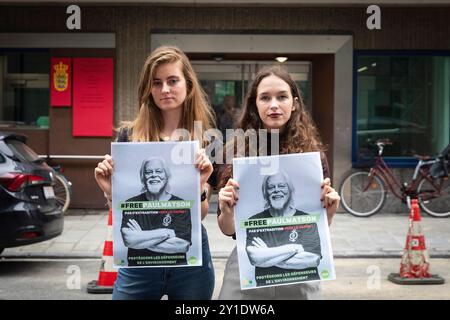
point(226, 83)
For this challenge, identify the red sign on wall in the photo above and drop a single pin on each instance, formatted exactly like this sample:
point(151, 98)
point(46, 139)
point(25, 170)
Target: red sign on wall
point(93, 97)
point(60, 82)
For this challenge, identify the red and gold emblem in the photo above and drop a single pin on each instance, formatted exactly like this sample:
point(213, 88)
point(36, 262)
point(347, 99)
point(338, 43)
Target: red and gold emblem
point(60, 76)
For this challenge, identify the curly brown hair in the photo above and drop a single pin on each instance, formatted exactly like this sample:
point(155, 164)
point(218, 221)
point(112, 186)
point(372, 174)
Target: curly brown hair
point(300, 135)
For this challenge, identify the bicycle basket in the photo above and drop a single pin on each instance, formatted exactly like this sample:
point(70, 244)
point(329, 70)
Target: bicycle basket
point(366, 157)
point(446, 152)
point(439, 169)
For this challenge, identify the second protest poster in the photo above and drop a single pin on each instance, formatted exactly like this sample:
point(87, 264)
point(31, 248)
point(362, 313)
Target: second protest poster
point(281, 226)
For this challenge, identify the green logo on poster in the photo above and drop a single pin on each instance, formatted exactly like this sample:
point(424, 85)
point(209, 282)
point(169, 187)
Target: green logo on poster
point(325, 274)
point(192, 260)
point(247, 283)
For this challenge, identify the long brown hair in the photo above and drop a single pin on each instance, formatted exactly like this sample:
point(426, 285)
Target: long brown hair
point(149, 121)
point(300, 134)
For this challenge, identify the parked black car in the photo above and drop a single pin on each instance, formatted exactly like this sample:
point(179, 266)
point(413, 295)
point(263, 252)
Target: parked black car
point(29, 212)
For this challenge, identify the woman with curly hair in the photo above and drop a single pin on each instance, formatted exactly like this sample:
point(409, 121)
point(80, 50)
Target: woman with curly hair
point(274, 103)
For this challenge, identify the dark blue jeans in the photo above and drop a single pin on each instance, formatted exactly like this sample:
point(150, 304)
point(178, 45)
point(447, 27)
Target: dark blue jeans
point(178, 283)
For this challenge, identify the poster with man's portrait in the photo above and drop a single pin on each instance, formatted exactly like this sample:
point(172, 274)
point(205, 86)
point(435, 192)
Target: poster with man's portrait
point(156, 204)
point(281, 226)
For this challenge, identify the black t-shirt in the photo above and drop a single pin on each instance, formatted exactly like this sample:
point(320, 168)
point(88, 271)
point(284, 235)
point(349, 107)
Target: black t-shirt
point(178, 220)
point(306, 235)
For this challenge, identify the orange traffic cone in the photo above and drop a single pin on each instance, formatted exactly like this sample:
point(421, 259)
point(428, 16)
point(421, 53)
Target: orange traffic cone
point(108, 274)
point(415, 262)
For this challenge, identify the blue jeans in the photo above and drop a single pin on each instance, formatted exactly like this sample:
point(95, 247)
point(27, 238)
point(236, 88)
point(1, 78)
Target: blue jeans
point(179, 283)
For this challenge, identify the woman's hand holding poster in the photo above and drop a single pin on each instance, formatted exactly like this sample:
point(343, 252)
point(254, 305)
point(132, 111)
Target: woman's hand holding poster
point(156, 205)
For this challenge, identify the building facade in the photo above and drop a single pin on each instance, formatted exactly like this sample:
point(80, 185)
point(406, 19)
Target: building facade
point(358, 83)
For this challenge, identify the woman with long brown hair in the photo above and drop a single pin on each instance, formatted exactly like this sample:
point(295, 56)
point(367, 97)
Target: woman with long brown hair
point(273, 102)
point(170, 98)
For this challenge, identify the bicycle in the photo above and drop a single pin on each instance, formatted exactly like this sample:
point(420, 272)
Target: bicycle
point(62, 189)
point(363, 193)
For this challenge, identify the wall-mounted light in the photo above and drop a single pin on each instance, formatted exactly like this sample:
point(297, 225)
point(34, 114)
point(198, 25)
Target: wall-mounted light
point(281, 59)
point(218, 57)
point(362, 69)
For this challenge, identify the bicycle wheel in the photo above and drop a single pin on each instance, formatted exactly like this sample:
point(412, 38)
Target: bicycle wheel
point(62, 192)
point(433, 203)
point(361, 195)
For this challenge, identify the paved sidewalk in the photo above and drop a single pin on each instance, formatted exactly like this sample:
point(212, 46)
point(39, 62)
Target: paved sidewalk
point(379, 236)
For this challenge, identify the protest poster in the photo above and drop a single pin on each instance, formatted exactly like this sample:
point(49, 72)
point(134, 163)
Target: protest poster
point(156, 204)
point(281, 226)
